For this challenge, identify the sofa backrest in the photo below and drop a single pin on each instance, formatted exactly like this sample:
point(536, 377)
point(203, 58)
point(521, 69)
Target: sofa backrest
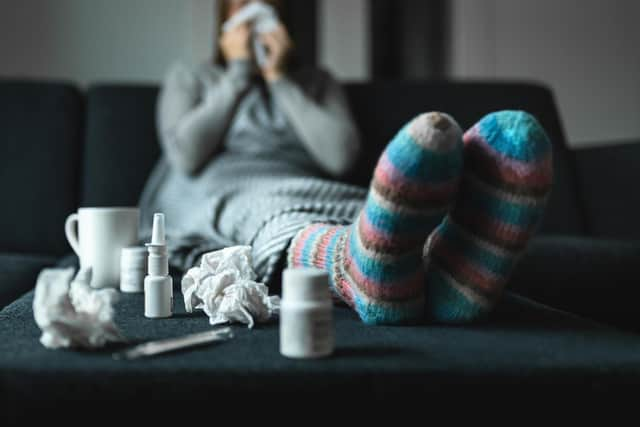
point(58, 151)
point(40, 148)
point(121, 144)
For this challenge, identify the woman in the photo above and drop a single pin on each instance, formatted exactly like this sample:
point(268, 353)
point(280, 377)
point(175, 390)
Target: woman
point(247, 152)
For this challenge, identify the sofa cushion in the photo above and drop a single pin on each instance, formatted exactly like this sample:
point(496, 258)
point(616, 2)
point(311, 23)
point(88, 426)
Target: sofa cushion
point(121, 145)
point(608, 176)
point(594, 278)
point(18, 273)
point(381, 108)
point(40, 148)
point(523, 347)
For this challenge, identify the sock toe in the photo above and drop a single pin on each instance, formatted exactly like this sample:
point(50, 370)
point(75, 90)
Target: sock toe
point(513, 134)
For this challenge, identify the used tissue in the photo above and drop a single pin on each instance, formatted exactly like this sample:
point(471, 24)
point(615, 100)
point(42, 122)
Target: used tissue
point(224, 287)
point(72, 314)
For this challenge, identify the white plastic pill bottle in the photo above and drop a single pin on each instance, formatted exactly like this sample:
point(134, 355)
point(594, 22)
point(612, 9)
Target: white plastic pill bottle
point(306, 314)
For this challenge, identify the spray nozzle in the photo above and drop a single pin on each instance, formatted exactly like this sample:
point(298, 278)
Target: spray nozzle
point(157, 264)
point(157, 233)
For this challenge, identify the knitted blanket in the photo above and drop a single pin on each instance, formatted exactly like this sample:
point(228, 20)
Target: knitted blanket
point(249, 200)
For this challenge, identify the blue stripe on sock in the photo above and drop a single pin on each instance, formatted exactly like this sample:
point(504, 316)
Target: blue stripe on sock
point(384, 273)
point(421, 164)
point(508, 212)
point(374, 314)
point(391, 222)
point(478, 255)
point(445, 304)
point(309, 246)
point(331, 248)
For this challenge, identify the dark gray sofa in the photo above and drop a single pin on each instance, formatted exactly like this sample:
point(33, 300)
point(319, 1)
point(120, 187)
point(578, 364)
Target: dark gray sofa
point(568, 319)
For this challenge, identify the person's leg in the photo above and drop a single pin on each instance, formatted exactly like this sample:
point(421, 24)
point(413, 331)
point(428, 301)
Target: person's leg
point(375, 264)
point(505, 183)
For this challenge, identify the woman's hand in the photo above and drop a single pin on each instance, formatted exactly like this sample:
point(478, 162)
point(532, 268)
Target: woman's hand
point(235, 43)
point(278, 45)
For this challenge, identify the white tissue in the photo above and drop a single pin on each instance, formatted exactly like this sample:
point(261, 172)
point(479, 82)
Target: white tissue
point(264, 20)
point(71, 313)
point(224, 287)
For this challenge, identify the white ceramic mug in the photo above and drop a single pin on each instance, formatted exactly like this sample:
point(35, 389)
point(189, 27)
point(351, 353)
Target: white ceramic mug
point(97, 235)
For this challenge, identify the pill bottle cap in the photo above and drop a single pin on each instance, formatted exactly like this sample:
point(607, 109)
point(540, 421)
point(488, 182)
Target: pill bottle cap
point(305, 284)
point(133, 257)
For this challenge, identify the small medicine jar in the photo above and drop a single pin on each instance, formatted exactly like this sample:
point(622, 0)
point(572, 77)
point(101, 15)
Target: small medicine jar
point(306, 314)
point(133, 268)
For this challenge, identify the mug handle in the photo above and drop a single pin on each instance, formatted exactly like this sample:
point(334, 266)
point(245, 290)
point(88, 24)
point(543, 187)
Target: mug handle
point(71, 231)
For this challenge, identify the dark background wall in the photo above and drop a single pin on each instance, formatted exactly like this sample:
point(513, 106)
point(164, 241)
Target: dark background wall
point(409, 38)
point(586, 50)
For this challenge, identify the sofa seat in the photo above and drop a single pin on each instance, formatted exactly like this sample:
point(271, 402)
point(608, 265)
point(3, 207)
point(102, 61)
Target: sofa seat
point(523, 347)
point(594, 278)
point(18, 273)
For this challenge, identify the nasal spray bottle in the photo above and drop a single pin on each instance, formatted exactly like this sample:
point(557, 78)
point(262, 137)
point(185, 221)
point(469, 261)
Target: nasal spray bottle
point(158, 285)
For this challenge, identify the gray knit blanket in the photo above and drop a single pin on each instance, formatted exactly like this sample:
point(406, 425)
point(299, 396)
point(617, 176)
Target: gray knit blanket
point(237, 199)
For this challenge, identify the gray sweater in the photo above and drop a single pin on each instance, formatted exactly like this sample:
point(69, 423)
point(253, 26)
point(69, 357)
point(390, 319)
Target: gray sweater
point(302, 117)
point(243, 161)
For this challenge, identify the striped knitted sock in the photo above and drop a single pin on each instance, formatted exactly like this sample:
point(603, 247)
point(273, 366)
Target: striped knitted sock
point(507, 177)
point(375, 264)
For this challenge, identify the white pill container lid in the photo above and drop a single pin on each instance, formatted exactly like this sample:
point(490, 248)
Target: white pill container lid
point(133, 257)
point(305, 285)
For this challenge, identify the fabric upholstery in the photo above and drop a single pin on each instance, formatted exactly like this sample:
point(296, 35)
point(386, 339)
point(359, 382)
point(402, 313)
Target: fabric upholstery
point(40, 149)
point(523, 347)
point(594, 278)
point(18, 273)
point(608, 177)
point(121, 144)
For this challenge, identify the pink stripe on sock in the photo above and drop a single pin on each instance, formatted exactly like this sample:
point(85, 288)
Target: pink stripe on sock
point(410, 286)
point(321, 252)
point(300, 242)
point(474, 275)
point(390, 177)
point(537, 174)
point(373, 236)
point(504, 233)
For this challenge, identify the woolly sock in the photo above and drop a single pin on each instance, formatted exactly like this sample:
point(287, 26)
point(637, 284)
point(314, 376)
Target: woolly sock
point(375, 264)
point(505, 183)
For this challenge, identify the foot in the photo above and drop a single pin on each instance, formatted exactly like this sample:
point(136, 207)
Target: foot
point(506, 180)
point(375, 264)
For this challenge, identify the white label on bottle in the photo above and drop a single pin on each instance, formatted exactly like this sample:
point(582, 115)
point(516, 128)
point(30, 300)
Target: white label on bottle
point(306, 332)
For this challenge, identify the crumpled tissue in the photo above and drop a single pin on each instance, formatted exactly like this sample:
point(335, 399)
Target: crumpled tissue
point(224, 287)
point(72, 314)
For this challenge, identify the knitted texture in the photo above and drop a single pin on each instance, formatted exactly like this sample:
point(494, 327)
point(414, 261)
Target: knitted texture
point(375, 264)
point(506, 180)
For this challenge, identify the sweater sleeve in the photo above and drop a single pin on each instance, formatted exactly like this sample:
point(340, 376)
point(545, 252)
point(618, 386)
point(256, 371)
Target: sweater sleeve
point(194, 111)
point(325, 125)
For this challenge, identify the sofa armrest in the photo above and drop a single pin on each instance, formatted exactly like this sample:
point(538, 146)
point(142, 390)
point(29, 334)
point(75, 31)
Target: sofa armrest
point(18, 273)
